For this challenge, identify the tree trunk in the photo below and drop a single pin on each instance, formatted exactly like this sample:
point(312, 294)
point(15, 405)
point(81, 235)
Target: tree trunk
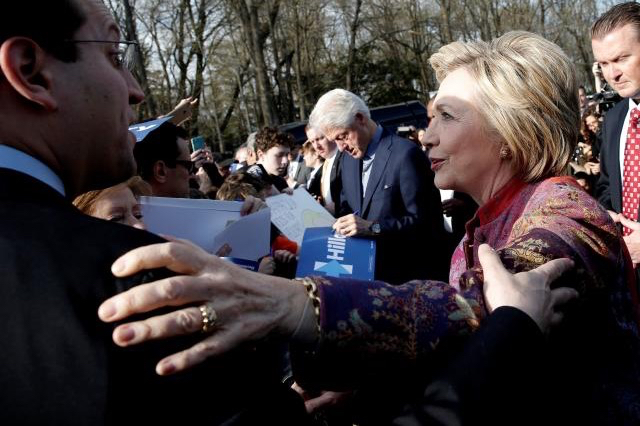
point(182, 60)
point(140, 72)
point(255, 37)
point(297, 64)
point(353, 31)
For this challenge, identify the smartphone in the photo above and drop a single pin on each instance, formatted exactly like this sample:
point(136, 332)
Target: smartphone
point(197, 143)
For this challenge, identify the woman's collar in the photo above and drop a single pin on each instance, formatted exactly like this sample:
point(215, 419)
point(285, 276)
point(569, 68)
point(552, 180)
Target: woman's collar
point(500, 201)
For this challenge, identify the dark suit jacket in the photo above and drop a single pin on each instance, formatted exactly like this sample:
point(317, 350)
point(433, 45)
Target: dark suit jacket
point(314, 183)
point(402, 198)
point(302, 173)
point(609, 187)
point(58, 364)
point(335, 184)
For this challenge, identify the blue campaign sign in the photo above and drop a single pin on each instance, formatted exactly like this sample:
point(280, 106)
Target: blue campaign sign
point(141, 130)
point(323, 252)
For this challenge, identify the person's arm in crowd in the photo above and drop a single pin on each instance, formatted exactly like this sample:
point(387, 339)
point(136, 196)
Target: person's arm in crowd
point(182, 112)
point(250, 306)
point(201, 157)
point(633, 239)
point(522, 307)
point(368, 325)
point(592, 167)
point(497, 376)
point(267, 265)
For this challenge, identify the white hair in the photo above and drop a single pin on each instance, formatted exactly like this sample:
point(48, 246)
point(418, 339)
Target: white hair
point(337, 109)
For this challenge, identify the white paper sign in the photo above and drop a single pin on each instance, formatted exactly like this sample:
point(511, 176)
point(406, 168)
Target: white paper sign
point(292, 214)
point(210, 224)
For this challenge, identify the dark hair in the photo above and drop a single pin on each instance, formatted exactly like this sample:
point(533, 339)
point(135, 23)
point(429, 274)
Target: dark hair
point(49, 23)
point(239, 185)
point(269, 137)
point(159, 145)
point(617, 17)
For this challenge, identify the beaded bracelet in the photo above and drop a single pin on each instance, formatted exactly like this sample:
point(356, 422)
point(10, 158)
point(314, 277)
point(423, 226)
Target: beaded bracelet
point(312, 292)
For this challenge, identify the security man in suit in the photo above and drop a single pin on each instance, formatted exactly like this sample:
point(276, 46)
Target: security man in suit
point(331, 178)
point(387, 191)
point(66, 101)
point(615, 38)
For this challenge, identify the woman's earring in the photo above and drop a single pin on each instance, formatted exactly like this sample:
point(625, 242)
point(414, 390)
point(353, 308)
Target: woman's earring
point(504, 153)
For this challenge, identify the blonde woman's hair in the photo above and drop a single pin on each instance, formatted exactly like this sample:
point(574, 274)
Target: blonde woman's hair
point(527, 94)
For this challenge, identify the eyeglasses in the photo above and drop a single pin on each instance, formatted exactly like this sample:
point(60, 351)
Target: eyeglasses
point(187, 164)
point(123, 56)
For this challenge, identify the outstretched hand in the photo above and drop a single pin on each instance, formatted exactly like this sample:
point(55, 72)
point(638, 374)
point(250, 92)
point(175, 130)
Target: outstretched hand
point(633, 239)
point(248, 306)
point(528, 291)
point(183, 111)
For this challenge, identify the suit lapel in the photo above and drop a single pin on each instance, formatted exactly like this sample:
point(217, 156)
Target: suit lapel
point(334, 167)
point(378, 167)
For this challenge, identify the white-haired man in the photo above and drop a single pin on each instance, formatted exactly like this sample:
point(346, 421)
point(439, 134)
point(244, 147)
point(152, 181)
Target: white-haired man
point(387, 190)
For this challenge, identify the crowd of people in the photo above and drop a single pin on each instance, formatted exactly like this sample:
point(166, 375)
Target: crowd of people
point(507, 236)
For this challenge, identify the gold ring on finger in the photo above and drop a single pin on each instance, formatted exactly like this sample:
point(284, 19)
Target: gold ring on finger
point(209, 317)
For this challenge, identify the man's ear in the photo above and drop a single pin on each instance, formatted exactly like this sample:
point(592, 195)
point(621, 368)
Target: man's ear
point(160, 171)
point(23, 63)
point(259, 154)
point(360, 118)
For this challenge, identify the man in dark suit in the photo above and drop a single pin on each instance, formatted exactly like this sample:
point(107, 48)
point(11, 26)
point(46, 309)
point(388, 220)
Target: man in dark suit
point(387, 191)
point(314, 162)
point(65, 108)
point(331, 177)
point(615, 38)
point(298, 173)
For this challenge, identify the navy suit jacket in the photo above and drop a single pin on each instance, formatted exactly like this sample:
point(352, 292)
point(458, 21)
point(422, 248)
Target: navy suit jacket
point(402, 198)
point(335, 180)
point(609, 186)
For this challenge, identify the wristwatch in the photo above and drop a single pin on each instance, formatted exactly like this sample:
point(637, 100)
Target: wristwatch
point(375, 228)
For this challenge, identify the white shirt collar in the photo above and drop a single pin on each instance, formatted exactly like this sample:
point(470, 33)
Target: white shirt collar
point(11, 158)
